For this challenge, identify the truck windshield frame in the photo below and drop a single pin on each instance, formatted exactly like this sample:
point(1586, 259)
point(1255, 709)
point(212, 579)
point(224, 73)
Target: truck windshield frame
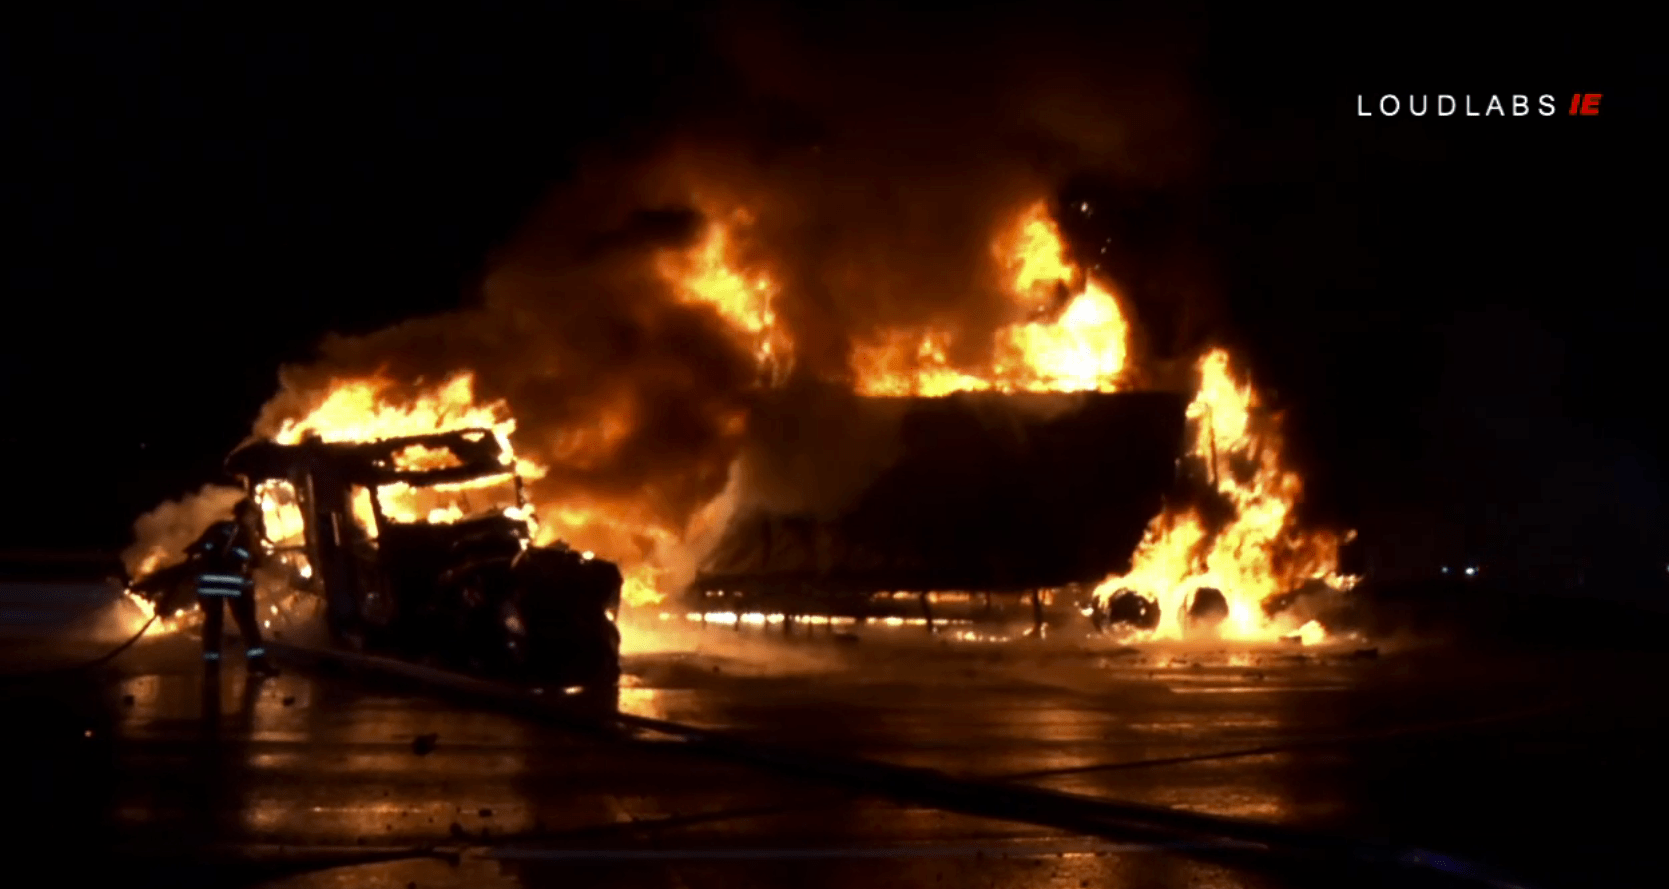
point(503, 492)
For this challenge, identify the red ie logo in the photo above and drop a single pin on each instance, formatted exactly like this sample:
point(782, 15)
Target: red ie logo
point(1585, 104)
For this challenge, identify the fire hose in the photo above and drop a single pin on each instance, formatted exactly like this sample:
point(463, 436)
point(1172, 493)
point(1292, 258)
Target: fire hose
point(102, 659)
point(1224, 839)
point(86, 665)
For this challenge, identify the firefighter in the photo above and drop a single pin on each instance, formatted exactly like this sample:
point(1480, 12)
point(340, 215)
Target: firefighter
point(226, 556)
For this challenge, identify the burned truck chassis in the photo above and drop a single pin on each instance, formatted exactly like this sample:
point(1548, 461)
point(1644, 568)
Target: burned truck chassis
point(471, 595)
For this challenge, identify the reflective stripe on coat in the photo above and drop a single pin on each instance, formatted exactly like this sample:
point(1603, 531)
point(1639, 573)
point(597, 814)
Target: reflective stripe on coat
point(223, 585)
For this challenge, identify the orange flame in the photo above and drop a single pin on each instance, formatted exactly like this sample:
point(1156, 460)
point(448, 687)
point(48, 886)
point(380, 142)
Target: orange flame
point(710, 275)
point(361, 409)
point(281, 512)
point(1083, 350)
point(1258, 553)
point(367, 408)
point(1035, 252)
point(911, 363)
point(1082, 347)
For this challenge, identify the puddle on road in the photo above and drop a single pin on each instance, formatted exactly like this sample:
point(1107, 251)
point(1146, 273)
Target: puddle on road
point(469, 873)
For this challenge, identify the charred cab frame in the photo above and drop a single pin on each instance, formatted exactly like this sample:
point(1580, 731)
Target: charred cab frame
point(472, 595)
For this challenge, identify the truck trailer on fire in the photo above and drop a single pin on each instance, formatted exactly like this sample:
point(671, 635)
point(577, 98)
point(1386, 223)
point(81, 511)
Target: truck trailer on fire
point(982, 497)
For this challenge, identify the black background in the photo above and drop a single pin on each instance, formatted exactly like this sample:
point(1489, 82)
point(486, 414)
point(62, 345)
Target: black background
point(1457, 313)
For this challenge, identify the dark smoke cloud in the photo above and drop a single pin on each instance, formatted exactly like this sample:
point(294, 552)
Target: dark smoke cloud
point(879, 152)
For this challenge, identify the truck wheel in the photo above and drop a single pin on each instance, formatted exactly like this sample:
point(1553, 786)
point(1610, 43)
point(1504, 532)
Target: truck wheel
point(582, 655)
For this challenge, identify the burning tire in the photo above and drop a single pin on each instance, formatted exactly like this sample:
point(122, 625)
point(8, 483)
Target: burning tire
point(1207, 607)
point(1130, 609)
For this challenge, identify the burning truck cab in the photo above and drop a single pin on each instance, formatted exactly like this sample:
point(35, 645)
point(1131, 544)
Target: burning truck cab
point(421, 547)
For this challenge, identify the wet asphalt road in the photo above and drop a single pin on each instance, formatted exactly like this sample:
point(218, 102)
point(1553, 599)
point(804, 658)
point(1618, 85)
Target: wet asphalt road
point(301, 780)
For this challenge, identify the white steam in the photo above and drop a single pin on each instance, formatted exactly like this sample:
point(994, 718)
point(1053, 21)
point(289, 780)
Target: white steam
point(161, 535)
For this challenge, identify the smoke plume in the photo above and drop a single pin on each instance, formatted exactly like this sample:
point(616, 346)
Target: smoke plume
point(162, 534)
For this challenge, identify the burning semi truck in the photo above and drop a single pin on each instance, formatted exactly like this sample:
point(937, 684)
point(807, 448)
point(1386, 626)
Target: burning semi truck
point(1051, 462)
point(420, 547)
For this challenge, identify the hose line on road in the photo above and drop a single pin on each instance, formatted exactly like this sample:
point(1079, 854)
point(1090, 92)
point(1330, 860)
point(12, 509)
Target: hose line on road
point(1226, 839)
point(88, 665)
point(234, 866)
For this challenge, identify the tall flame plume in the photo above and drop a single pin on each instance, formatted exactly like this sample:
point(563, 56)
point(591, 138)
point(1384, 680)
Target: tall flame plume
point(1258, 553)
point(1080, 347)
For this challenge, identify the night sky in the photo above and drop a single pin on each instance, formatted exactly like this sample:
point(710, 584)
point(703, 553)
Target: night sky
point(1457, 313)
